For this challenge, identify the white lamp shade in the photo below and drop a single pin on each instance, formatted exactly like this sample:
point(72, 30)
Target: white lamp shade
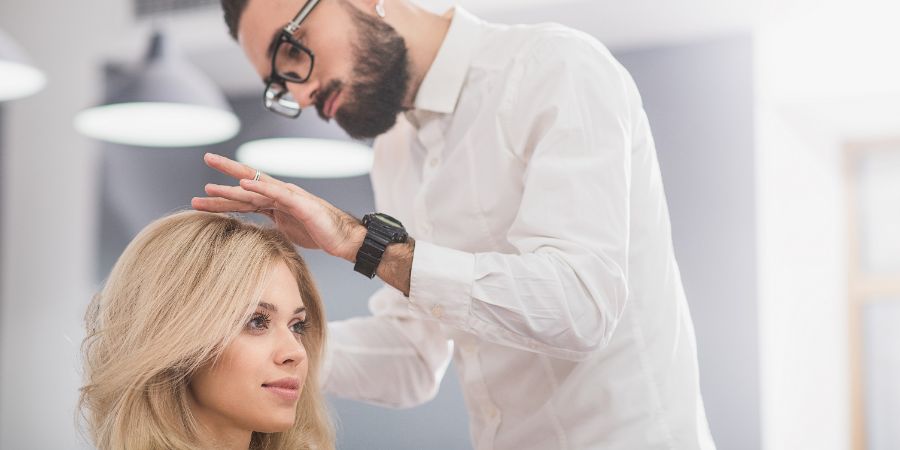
point(165, 102)
point(157, 124)
point(18, 78)
point(307, 158)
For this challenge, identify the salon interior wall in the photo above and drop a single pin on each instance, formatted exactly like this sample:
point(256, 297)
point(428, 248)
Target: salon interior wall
point(49, 182)
point(827, 74)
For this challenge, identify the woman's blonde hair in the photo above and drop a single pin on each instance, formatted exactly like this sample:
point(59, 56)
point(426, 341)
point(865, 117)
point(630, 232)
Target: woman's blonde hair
point(181, 291)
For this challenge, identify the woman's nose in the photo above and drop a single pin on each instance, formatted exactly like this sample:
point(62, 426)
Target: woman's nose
point(290, 350)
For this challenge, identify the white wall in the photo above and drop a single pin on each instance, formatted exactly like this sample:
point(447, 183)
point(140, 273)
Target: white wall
point(802, 287)
point(827, 73)
point(48, 234)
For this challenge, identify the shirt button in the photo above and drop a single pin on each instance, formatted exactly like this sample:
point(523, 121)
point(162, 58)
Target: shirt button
point(492, 412)
point(437, 311)
point(433, 162)
point(469, 348)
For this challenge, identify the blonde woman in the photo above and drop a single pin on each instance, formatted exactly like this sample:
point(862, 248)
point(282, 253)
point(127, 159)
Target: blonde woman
point(209, 334)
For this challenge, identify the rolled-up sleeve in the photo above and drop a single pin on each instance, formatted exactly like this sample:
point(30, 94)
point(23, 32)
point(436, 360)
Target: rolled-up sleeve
point(363, 353)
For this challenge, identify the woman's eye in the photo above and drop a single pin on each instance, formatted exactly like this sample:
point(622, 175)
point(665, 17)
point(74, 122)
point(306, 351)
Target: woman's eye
point(258, 322)
point(300, 327)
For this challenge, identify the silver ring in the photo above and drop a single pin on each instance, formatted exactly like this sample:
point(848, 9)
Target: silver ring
point(256, 177)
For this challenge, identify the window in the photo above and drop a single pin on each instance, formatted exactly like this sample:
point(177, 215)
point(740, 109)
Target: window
point(873, 211)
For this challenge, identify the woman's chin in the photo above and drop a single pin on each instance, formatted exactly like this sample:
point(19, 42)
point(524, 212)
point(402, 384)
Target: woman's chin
point(279, 424)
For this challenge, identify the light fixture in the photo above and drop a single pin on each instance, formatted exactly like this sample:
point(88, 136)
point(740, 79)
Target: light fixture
point(307, 158)
point(164, 102)
point(18, 78)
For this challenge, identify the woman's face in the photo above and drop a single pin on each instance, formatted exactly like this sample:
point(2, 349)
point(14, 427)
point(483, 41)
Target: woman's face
point(255, 384)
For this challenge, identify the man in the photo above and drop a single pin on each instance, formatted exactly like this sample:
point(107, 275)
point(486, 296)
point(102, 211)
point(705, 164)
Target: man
point(521, 160)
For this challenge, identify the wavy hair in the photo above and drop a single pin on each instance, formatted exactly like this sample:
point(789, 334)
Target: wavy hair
point(180, 292)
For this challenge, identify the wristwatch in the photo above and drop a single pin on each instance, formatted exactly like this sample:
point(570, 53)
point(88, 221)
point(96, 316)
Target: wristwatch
point(381, 231)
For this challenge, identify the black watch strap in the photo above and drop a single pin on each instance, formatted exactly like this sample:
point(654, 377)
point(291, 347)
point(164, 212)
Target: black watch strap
point(381, 231)
point(369, 256)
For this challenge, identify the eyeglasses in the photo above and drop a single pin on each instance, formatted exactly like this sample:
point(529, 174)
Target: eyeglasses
point(292, 62)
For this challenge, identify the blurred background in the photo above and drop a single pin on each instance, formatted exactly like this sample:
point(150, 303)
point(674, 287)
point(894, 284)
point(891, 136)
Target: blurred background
point(778, 132)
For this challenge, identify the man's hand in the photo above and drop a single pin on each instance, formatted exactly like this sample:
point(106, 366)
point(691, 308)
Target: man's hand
point(307, 220)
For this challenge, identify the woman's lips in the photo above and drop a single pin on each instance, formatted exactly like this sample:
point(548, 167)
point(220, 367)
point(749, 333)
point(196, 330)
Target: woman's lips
point(287, 389)
point(289, 395)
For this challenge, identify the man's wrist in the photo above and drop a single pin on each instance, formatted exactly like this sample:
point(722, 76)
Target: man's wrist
point(396, 265)
point(357, 236)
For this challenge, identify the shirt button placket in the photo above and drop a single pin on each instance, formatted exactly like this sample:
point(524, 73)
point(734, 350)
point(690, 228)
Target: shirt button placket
point(431, 135)
point(432, 139)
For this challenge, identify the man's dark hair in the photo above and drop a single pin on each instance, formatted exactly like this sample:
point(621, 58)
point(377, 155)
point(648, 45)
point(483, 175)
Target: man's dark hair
point(233, 10)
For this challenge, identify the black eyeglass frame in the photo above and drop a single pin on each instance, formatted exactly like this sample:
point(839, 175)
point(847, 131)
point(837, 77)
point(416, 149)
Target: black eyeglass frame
point(276, 88)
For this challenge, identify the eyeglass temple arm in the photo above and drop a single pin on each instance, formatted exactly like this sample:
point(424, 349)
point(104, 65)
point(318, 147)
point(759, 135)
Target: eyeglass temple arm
point(307, 8)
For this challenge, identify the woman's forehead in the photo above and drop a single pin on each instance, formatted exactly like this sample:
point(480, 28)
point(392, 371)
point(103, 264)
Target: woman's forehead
point(282, 292)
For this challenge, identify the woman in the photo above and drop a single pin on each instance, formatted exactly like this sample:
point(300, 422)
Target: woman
point(208, 334)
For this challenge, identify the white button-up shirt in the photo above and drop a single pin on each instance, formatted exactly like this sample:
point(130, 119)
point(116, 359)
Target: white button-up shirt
point(528, 176)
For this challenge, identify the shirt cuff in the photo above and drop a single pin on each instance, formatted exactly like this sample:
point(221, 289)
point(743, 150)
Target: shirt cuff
point(440, 286)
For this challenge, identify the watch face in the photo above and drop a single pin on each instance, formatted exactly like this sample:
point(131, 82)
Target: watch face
point(384, 227)
point(388, 220)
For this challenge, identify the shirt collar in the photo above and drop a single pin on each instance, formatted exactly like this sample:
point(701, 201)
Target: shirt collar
point(444, 81)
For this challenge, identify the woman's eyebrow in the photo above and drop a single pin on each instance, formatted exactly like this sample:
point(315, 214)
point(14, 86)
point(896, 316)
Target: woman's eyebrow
point(273, 308)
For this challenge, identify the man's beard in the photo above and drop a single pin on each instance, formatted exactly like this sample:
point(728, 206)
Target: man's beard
point(380, 80)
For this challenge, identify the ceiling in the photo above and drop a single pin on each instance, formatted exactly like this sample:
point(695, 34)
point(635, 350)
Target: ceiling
point(619, 24)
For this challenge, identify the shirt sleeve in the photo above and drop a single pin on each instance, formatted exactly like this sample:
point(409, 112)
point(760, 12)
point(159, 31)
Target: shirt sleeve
point(387, 359)
point(568, 115)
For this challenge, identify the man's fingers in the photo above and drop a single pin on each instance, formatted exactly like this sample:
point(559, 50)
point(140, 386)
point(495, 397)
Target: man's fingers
point(286, 198)
point(219, 205)
point(238, 194)
point(235, 169)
